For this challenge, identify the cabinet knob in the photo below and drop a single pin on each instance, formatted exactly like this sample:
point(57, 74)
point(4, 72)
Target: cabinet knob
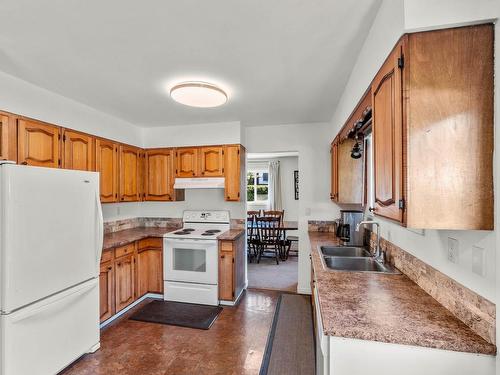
point(372, 209)
point(24, 163)
point(110, 268)
point(222, 256)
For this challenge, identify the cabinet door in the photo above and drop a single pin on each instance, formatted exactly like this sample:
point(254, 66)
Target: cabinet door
point(159, 175)
point(211, 161)
point(8, 137)
point(106, 291)
point(233, 157)
point(349, 175)
point(187, 162)
point(334, 194)
point(226, 262)
point(150, 266)
point(124, 281)
point(129, 173)
point(78, 151)
point(388, 137)
point(38, 144)
point(107, 165)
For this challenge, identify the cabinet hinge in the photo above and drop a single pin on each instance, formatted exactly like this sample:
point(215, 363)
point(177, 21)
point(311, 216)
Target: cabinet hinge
point(401, 204)
point(401, 62)
point(64, 138)
point(233, 293)
point(233, 260)
point(222, 170)
point(238, 151)
point(59, 162)
point(238, 195)
point(59, 136)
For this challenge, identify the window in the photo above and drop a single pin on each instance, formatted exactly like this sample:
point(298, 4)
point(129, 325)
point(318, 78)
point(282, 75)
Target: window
point(257, 186)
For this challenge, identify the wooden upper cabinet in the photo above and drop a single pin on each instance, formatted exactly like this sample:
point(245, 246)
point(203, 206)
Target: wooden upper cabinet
point(450, 128)
point(129, 173)
point(234, 157)
point(107, 165)
point(387, 97)
point(160, 174)
point(38, 144)
point(78, 151)
point(8, 137)
point(334, 167)
point(350, 174)
point(187, 162)
point(211, 161)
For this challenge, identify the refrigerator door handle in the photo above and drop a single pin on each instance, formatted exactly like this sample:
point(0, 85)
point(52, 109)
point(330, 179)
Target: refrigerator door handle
point(100, 230)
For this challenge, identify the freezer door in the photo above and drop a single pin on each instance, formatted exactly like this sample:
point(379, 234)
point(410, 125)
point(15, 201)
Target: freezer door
point(51, 232)
point(47, 336)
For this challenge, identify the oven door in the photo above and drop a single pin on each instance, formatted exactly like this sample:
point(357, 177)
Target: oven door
point(190, 260)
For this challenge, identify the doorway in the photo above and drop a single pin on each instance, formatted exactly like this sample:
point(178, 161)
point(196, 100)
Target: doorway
point(272, 187)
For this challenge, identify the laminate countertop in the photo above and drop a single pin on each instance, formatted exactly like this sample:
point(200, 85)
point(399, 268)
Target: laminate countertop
point(126, 236)
point(386, 308)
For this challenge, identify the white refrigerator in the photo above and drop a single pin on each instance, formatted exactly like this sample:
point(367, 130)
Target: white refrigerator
point(51, 234)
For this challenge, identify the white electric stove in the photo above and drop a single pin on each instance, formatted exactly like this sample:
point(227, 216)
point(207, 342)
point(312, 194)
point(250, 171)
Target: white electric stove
point(190, 257)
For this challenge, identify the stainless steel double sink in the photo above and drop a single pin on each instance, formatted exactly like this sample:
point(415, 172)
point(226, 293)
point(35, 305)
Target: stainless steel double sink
point(354, 259)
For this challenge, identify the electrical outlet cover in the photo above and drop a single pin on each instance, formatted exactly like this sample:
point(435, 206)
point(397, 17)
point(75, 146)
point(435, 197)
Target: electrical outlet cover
point(453, 250)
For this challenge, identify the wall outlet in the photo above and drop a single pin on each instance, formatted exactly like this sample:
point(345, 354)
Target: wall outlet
point(453, 250)
point(478, 261)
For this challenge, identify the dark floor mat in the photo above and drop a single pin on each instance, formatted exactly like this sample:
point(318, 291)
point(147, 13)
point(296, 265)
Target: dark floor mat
point(178, 314)
point(290, 344)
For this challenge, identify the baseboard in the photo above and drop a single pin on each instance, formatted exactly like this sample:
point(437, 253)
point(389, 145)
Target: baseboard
point(235, 302)
point(94, 348)
point(133, 304)
point(302, 290)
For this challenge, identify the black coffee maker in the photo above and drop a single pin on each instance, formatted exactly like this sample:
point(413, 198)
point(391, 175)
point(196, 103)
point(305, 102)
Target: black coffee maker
point(346, 229)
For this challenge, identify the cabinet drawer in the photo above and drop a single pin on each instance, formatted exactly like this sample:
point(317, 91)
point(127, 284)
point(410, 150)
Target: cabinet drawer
point(150, 243)
point(124, 250)
point(226, 246)
point(107, 255)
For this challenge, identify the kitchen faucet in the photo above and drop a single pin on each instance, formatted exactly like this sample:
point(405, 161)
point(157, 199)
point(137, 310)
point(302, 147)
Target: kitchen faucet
point(379, 254)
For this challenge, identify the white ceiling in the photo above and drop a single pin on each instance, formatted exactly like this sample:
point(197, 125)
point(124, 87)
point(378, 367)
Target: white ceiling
point(281, 61)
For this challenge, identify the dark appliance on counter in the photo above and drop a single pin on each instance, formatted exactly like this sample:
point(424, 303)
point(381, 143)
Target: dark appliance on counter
point(346, 230)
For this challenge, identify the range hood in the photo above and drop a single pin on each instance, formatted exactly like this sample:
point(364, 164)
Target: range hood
point(199, 183)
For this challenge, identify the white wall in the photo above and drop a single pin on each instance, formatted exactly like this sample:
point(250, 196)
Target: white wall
point(311, 142)
point(390, 23)
point(26, 99)
point(288, 165)
point(193, 135)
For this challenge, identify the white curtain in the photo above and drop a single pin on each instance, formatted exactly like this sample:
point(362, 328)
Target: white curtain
point(275, 186)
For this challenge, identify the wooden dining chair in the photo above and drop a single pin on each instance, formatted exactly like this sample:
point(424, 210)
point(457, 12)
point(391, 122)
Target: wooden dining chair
point(281, 215)
point(269, 236)
point(253, 241)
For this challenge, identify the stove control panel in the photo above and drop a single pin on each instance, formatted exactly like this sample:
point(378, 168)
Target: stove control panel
point(206, 216)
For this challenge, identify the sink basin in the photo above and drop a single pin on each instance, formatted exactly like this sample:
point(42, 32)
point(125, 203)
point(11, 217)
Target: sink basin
point(344, 251)
point(366, 264)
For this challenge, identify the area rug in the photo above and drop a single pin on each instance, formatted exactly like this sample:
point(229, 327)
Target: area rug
point(290, 344)
point(178, 314)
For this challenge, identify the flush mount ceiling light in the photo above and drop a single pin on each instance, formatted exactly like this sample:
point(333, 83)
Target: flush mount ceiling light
point(198, 94)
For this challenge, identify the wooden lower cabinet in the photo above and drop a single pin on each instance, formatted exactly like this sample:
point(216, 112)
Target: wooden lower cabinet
point(231, 268)
point(149, 266)
point(128, 272)
point(106, 290)
point(124, 281)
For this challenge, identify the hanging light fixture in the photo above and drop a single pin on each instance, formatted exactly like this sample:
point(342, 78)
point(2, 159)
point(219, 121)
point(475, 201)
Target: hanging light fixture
point(356, 151)
point(198, 94)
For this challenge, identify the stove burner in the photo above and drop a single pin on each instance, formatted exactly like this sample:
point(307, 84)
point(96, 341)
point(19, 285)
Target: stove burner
point(181, 232)
point(212, 231)
point(188, 230)
point(207, 234)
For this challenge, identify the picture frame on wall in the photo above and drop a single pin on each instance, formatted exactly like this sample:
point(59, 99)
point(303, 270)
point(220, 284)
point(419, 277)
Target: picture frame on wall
point(296, 184)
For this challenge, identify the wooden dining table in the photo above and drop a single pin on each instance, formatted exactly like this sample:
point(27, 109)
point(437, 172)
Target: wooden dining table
point(286, 225)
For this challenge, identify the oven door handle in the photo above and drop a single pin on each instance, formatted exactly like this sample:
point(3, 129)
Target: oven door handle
point(188, 241)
